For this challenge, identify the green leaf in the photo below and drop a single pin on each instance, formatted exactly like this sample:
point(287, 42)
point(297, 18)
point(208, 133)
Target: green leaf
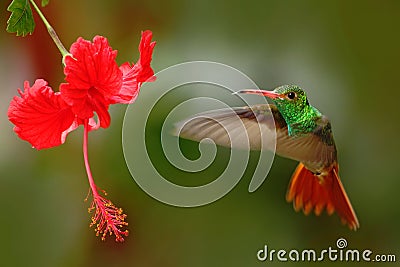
point(45, 3)
point(21, 18)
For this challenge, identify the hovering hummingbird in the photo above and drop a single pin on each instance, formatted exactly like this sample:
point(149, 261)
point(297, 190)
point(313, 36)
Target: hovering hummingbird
point(302, 134)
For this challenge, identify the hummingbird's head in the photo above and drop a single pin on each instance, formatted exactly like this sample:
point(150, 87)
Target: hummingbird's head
point(289, 99)
point(288, 96)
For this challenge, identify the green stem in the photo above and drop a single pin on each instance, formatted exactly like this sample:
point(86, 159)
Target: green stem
point(51, 31)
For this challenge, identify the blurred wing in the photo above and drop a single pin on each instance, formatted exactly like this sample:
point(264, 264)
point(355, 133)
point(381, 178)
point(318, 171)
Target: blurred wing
point(255, 128)
point(244, 127)
point(316, 149)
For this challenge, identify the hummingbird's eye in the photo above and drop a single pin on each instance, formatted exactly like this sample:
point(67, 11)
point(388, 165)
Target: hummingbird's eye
point(291, 95)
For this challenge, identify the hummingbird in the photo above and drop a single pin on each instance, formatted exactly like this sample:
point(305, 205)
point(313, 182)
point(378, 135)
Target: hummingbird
point(303, 134)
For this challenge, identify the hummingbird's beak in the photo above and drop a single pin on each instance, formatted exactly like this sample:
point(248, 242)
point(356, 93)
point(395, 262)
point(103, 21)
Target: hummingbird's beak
point(269, 94)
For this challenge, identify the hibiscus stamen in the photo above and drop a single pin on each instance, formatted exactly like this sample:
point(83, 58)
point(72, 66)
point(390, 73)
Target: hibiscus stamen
point(107, 218)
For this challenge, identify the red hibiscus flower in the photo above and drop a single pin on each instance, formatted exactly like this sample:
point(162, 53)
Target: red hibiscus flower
point(93, 82)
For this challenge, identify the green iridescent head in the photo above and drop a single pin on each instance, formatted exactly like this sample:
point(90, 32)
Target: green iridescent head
point(291, 102)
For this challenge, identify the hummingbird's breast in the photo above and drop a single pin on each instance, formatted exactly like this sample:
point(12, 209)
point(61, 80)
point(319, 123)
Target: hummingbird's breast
point(315, 149)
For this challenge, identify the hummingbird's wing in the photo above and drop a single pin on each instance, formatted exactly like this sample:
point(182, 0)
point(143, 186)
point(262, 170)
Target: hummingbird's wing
point(241, 127)
point(256, 128)
point(316, 149)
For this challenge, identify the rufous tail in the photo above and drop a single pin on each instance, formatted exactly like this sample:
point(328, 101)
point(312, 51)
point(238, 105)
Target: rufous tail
point(312, 192)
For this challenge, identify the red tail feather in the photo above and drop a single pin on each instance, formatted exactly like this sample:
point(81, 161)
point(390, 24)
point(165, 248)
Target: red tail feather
point(312, 192)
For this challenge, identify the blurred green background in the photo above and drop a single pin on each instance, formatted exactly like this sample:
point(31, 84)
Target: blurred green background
point(344, 53)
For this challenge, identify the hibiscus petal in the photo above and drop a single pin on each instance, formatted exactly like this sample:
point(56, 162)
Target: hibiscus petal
point(134, 76)
point(130, 86)
point(93, 65)
point(100, 105)
point(93, 124)
point(78, 99)
point(146, 52)
point(92, 77)
point(40, 115)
